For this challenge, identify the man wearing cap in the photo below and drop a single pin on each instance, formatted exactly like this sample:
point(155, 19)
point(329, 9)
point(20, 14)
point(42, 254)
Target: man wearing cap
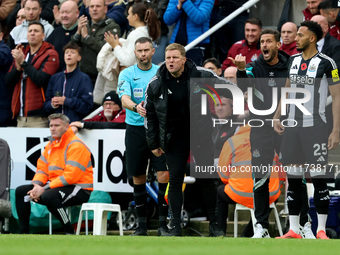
point(113, 115)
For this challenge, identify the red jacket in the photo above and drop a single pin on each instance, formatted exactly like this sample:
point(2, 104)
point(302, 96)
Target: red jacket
point(119, 117)
point(44, 64)
point(307, 15)
point(290, 49)
point(252, 52)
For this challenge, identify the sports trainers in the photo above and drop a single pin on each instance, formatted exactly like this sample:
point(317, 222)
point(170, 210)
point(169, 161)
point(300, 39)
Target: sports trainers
point(260, 232)
point(163, 231)
point(290, 234)
point(306, 231)
point(214, 230)
point(140, 232)
point(321, 235)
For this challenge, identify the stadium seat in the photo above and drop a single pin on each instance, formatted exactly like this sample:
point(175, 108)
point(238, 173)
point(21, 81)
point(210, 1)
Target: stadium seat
point(100, 211)
point(240, 207)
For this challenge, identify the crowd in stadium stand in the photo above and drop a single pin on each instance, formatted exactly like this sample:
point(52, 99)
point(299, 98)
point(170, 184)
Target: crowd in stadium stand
point(72, 56)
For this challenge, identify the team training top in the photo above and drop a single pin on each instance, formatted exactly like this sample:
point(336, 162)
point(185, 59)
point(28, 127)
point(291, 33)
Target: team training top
point(315, 75)
point(133, 81)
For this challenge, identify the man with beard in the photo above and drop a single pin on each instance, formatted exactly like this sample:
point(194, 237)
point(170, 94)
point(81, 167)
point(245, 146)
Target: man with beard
point(269, 71)
point(132, 83)
point(113, 115)
point(311, 9)
point(305, 141)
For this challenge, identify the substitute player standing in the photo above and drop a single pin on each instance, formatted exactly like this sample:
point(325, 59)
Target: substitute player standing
point(305, 143)
point(269, 71)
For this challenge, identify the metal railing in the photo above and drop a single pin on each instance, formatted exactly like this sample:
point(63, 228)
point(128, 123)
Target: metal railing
point(220, 24)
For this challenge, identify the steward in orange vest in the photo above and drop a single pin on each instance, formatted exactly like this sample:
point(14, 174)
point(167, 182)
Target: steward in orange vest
point(64, 176)
point(235, 171)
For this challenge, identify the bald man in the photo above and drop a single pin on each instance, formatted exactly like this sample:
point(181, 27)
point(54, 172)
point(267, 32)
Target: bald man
point(62, 34)
point(327, 44)
point(288, 34)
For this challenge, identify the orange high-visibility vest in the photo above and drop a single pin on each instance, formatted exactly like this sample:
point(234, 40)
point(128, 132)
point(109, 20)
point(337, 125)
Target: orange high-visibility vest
point(234, 169)
point(65, 162)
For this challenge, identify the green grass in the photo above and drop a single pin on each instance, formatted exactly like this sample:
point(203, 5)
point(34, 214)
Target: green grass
point(100, 245)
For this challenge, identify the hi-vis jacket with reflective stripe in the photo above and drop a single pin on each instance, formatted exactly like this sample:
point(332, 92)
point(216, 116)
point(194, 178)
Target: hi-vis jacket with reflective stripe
point(65, 162)
point(236, 172)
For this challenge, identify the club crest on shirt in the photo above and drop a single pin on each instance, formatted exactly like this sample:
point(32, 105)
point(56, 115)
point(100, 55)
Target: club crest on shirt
point(312, 68)
point(271, 82)
point(254, 57)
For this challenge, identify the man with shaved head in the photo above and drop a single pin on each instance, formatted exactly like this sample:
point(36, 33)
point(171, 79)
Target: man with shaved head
point(327, 44)
point(288, 34)
point(62, 34)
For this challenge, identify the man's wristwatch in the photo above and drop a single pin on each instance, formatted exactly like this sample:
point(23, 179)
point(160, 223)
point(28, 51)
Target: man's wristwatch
point(134, 108)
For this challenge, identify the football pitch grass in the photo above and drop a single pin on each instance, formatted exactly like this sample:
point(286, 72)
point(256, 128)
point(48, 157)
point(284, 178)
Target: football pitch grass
point(126, 245)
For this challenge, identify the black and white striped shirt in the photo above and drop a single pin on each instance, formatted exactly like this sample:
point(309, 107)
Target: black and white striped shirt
point(315, 75)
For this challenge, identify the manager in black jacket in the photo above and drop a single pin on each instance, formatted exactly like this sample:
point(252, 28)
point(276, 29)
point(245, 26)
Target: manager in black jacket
point(174, 126)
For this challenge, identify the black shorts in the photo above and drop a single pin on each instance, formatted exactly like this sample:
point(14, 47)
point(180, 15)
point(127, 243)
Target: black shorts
point(302, 145)
point(138, 153)
point(264, 144)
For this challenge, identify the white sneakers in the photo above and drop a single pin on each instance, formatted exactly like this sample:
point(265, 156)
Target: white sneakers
point(306, 231)
point(260, 232)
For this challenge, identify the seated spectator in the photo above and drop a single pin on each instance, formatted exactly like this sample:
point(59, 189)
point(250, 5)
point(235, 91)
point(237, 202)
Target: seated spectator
point(30, 72)
point(5, 93)
point(113, 115)
point(249, 47)
point(311, 10)
point(68, 15)
point(70, 92)
point(224, 113)
point(90, 36)
point(146, 24)
point(21, 17)
point(64, 176)
point(288, 34)
point(230, 74)
point(333, 17)
point(236, 175)
point(191, 19)
point(214, 65)
point(18, 35)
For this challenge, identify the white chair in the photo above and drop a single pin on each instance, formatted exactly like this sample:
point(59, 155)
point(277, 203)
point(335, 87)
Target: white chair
point(100, 211)
point(240, 207)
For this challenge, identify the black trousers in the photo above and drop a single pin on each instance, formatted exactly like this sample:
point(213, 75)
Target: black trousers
point(56, 200)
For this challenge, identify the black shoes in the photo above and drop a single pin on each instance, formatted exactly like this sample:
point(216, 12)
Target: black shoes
point(214, 230)
point(140, 232)
point(176, 231)
point(163, 231)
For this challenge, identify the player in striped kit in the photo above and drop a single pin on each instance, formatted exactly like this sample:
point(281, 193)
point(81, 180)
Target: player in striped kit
point(305, 143)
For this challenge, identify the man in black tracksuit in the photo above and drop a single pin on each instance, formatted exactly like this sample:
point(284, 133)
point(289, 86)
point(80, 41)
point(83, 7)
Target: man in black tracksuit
point(269, 71)
point(174, 126)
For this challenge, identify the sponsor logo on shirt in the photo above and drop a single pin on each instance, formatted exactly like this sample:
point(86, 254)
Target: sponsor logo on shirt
point(301, 79)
